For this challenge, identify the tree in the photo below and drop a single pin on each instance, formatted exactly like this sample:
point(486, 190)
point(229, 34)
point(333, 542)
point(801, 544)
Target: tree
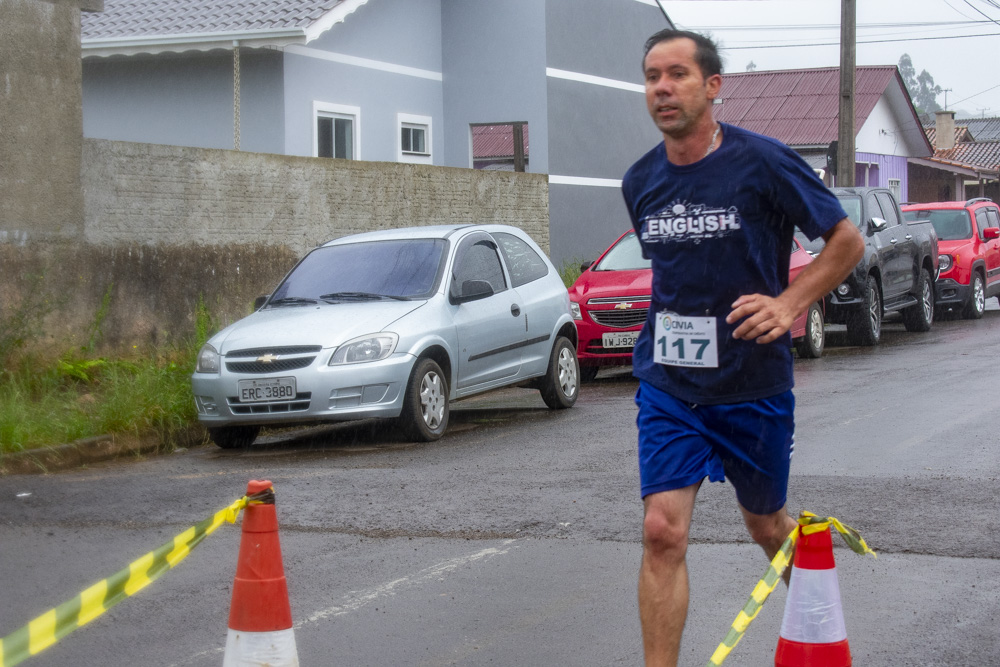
point(751, 66)
point(923, 91)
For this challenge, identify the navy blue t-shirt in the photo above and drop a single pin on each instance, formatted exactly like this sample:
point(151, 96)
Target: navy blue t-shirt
point(717, 229)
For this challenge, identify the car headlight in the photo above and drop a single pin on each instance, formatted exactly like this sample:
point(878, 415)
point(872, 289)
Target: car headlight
point(944, 262)
point(366, 348)
point(574, 309)
point(208, 360)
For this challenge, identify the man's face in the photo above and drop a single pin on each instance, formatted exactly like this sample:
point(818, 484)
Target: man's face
point(677, 95)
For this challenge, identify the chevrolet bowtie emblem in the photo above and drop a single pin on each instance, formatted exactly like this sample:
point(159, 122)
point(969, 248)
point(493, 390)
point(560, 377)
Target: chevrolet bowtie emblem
point(623, 306)
point(267, 358)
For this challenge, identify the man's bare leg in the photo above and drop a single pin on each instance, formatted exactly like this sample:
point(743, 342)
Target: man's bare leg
point(663, 578)
point(770, 532)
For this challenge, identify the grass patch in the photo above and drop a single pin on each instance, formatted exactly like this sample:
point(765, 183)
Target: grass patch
point(570, 270)
point(51, 403)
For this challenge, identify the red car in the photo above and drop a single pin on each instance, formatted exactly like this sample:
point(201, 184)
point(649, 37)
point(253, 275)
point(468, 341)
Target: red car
point(968, 251)
point(611, 297)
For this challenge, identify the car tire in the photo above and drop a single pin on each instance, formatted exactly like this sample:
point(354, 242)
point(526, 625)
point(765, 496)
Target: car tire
point(425, 403)
point(865, 325)
point(976, 305)
point(921, 316)
point(561, 384)
point(588, 373)
point(234, 437)
point(810, 346)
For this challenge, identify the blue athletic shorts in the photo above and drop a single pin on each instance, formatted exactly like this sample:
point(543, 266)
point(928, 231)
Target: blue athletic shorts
point(749, 443)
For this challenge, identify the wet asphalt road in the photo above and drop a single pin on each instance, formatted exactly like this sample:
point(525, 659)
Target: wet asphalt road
point(514, 540)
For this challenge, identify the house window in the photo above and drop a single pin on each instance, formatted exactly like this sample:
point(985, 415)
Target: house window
point(414, 138)
point(500, 146)
point(896, 188)
point(336, 131)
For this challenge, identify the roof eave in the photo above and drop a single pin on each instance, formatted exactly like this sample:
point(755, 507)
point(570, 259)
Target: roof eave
point(153, 44)
point(955, 168)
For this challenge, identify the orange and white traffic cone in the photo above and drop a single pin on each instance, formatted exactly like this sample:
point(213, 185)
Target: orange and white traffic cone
point(813, 633)
point(260, 617)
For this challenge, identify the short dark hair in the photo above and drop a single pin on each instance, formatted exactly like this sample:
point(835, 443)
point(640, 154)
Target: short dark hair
point(706, 53)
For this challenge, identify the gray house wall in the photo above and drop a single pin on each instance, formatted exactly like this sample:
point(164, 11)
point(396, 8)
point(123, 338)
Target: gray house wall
point(399, 34)
point(185, 99)
point(494, 72)
point(595, 131)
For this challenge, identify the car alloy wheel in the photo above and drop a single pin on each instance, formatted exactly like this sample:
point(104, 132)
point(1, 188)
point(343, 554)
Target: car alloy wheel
point(425, 404)
point(865, 324)
point(810, 346)
point(921, 316)
point(561, 384)
point(976, 304)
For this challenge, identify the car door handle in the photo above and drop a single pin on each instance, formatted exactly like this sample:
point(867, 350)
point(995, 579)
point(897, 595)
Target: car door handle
point(892, 241)
point(909, 237)
point(515, 309)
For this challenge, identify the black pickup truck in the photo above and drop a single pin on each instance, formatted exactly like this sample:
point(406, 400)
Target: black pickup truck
point(897, 272)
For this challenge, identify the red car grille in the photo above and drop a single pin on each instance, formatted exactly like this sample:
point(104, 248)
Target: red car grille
point(620, 319)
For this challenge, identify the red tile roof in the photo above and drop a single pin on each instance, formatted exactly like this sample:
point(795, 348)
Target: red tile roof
point(799, 107)
point(495, 141)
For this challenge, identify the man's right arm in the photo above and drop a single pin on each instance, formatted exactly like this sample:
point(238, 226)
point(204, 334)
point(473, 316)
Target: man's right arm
point(768, 318)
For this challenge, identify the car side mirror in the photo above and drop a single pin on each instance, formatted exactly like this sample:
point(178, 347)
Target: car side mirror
point(878, 224)
point(259, 302)
point(473, 290)
point(991, 233)
point(585, 266)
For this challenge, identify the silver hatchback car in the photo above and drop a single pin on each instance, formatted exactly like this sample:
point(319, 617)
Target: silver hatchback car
point(394, 324)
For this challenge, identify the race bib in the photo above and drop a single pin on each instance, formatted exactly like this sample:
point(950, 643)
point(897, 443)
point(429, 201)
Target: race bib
point(686, 341)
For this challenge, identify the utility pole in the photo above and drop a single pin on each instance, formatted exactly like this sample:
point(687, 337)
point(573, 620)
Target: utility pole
point(845, 126)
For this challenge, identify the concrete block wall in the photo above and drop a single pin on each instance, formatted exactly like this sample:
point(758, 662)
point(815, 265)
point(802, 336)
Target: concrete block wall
point(166, 227)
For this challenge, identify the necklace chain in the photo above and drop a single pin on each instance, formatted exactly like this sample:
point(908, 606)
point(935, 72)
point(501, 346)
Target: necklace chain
point(711, 144)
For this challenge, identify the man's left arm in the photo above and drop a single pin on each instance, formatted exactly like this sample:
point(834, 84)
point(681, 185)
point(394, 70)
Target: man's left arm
point(766, 318)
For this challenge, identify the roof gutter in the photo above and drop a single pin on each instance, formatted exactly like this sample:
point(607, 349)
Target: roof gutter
point(208, 41)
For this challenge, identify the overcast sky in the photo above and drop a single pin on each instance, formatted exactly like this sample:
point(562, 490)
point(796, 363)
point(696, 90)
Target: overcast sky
point(789, 34)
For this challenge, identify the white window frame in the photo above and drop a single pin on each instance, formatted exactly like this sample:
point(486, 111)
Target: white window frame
point(422, 122)
point(330, 110)
point(896, 188)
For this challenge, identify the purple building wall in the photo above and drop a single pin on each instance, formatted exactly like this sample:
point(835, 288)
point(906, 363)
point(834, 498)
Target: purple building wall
point(872, 169)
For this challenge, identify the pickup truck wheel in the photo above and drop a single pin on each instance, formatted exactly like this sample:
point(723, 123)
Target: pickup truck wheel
point(976, 304)
point(810, 346)
point(921, 316)
point(865, 325)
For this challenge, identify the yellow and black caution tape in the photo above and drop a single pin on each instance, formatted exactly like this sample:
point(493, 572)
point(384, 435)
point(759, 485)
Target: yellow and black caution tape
point(55, 624)
point(809, 523)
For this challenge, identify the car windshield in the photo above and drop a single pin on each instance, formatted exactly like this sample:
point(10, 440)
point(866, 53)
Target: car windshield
point(852, 206)
point(626, 255)
point(406, 268)
point(950, 225)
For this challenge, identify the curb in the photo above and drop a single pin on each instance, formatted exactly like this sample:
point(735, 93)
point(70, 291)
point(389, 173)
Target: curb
point(92, 450)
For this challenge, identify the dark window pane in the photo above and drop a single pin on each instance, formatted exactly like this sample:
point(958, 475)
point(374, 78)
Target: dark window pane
point(418, 140)
point(324, 136)
point(479, 262)
point(407, 139)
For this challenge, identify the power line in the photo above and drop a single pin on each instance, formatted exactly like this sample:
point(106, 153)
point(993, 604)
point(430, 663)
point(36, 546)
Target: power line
point(872, 41)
